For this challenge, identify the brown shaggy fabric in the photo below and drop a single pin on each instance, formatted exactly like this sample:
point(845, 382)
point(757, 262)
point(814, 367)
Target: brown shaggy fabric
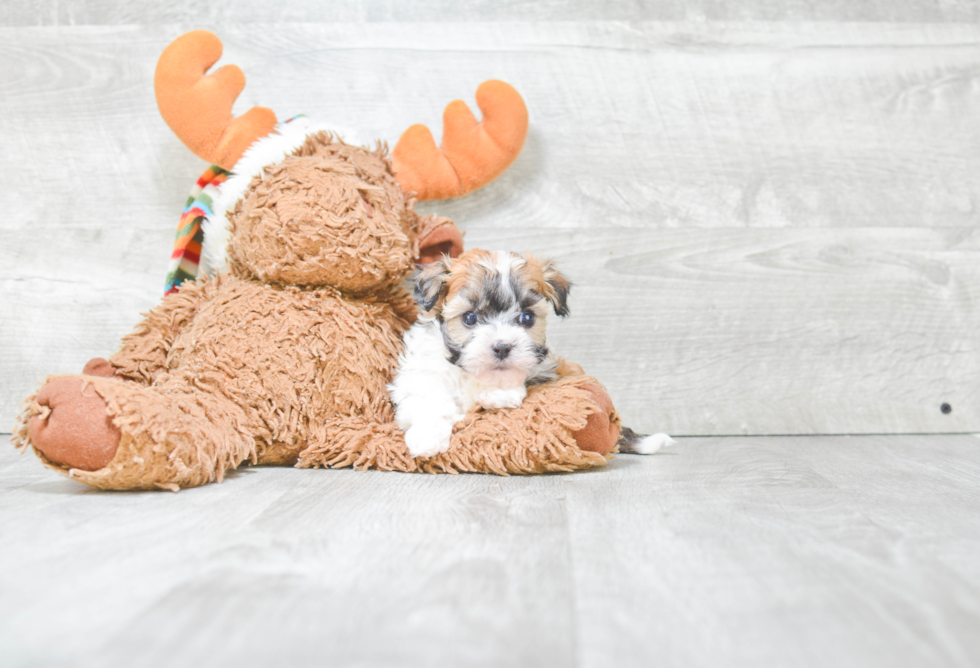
point(601, 432)
point(535, 438)
point(331, 214)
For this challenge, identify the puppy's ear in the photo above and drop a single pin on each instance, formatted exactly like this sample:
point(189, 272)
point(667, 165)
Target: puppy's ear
point(430, 284)
point(558, 288)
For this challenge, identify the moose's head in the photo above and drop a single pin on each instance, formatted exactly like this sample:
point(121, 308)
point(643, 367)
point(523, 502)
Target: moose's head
point(304, 208)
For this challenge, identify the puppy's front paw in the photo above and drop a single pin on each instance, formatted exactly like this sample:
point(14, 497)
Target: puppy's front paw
point(497, 398)
point(428, 439)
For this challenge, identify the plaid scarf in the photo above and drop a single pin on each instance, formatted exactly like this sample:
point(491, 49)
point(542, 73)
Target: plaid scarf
point(186, 256)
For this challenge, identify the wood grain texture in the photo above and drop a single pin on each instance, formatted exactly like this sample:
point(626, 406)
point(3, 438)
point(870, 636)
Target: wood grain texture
point(772, 331)
point(119, 12)
point(819, 551)
point(815, 552)
point(776, 157)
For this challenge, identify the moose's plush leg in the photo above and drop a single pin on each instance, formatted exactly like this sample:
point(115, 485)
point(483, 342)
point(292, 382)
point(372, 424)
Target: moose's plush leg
point(537, 437)
point(72, 427)
point(99, 367)
point(358, 443)
point(116, 434)
point(601, 430)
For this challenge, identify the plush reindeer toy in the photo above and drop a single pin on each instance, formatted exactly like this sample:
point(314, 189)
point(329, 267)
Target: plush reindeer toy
point(283, 355)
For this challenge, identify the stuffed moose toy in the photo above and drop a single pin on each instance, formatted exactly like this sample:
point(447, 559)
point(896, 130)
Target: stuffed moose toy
point(284, 354)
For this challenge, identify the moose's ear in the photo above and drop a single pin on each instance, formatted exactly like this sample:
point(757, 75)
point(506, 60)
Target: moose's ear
point(558, 288)
point(430, 285)
point(438, 236)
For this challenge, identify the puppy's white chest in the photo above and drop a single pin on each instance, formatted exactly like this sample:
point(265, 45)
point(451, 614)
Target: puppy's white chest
point(492, 397)
point(431, 394)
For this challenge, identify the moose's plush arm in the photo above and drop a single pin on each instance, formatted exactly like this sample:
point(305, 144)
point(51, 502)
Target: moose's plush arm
point(143, 354)
point(564, 425)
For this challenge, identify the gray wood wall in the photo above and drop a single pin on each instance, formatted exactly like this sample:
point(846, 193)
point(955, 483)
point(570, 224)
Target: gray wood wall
point(769, 208)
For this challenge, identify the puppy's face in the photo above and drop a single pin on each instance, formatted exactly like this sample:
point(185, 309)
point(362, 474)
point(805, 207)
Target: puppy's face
point(492, 307)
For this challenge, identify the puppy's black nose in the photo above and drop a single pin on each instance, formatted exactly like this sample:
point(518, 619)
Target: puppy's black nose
point(501, 350)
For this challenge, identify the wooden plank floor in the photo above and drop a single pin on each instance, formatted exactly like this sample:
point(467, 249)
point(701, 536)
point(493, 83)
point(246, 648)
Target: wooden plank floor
point(805, 551)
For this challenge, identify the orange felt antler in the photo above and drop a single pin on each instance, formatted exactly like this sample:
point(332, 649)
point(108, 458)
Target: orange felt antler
point(472, 153)
point(198, 107)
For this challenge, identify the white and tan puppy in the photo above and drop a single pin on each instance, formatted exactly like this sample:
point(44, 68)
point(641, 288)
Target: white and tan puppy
point(480, 340)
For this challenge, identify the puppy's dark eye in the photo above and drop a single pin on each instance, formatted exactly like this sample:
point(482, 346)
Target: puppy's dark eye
point(469, 318)
point(526, 319)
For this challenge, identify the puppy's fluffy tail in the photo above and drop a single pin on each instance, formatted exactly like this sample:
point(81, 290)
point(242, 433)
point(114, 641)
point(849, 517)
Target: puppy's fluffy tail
point(640, 444)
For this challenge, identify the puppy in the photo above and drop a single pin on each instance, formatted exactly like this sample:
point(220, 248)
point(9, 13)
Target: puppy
point(479, 341)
